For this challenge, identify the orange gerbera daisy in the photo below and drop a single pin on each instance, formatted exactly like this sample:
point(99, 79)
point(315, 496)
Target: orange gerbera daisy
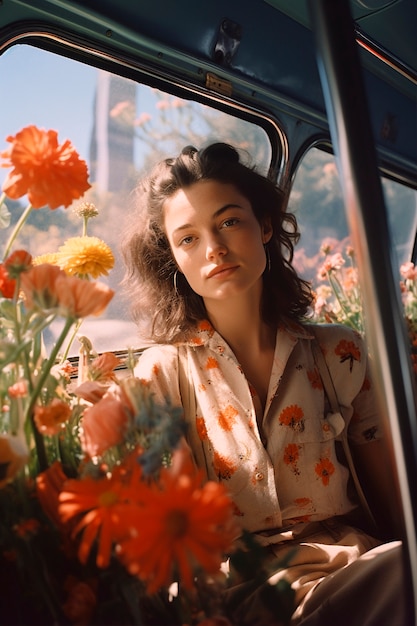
point(181, 526)
point(106, 506)
point(48, 173)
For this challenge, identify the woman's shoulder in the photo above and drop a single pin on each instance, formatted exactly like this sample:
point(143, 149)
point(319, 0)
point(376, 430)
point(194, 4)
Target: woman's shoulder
point(158, 367)
point(164, 354)
point(333, 334)
point(345, 352)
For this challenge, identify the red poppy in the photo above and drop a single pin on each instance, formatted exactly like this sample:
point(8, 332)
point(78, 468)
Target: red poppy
point(103, 425)
point(80, 298)
point(50, 419)
point(48, 287)
point(7, 284)
point(18, 262)
point(102, 368)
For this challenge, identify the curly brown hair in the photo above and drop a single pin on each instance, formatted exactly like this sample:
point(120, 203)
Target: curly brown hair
point(167, 303)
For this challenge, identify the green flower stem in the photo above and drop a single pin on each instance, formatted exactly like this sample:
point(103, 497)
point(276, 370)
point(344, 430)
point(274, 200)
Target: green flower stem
point(71, 340)
point(353, 320)
point(17, 229)
point(39, 442)
point(18, 321)
point(339, 293)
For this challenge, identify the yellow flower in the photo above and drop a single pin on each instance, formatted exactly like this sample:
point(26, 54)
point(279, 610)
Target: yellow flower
point(49, 257)
point(85, 256)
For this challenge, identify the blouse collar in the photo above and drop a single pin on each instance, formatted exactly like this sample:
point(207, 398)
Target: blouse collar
point(205, 332)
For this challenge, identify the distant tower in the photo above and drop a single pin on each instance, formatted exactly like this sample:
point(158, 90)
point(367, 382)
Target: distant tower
point(111, 145)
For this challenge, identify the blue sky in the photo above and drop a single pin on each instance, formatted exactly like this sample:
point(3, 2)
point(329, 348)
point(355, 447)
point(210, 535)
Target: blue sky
point(47, 90)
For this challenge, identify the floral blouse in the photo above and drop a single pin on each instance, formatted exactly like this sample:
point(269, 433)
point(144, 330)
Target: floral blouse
point(282, 468)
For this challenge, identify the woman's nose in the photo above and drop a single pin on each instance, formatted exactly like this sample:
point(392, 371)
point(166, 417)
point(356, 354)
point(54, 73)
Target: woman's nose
point(215, 248)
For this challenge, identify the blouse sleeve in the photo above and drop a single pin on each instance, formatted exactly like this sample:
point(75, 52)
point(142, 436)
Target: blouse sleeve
point(365, 425)
point(347, 357)
point(158, 367)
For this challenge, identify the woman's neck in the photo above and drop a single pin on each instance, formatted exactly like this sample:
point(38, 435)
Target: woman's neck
point(252, 341)
point(241, 325)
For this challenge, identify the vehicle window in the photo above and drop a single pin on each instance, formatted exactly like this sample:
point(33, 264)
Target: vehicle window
point(120, 128)
point(316, 199)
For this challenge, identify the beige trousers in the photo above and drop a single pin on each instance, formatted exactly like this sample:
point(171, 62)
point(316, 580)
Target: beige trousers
point(340, 577)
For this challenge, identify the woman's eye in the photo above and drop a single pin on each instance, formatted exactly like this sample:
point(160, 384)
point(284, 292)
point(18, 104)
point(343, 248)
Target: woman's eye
point(230, 222)
point(185, 241)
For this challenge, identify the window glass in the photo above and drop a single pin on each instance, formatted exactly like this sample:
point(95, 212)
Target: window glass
point(120, 128)
point(316, 199)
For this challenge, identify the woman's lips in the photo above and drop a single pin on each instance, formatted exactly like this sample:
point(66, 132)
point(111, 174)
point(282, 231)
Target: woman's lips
point(222, 270)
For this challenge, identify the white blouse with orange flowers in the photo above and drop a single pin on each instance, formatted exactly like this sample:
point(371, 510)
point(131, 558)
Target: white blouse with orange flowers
point(283, 469)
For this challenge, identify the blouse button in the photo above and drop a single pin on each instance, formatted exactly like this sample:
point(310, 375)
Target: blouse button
point(259, 476)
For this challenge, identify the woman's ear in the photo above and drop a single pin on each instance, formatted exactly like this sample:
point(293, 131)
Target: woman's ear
point(266, 230)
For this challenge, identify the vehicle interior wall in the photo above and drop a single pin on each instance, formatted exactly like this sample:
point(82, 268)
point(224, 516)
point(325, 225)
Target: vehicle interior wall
point(259, 54)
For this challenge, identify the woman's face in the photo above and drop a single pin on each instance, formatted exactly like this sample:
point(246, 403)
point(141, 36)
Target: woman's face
point(216, 240)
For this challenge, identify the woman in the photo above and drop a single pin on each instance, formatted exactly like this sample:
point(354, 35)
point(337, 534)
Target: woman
point(209, 266)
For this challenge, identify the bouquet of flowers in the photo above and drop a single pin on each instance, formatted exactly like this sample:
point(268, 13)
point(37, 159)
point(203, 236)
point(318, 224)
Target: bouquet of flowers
point(338, 296)
point(337, 291)
point(104, 519)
